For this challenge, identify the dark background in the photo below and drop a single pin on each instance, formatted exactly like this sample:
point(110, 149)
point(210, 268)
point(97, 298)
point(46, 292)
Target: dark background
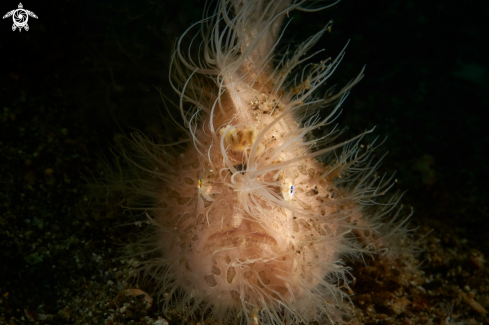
point(85, 72)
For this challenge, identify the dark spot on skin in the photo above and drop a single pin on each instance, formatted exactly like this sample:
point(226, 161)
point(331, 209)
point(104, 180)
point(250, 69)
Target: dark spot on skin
point(256, 107)
point(265, 112)
point(240, 168)
point(315, 190)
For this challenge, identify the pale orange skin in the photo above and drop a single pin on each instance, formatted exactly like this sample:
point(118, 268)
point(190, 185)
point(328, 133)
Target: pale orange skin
point(240, 236)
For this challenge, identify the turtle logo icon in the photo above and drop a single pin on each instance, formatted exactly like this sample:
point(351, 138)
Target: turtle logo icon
point(20, 17)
